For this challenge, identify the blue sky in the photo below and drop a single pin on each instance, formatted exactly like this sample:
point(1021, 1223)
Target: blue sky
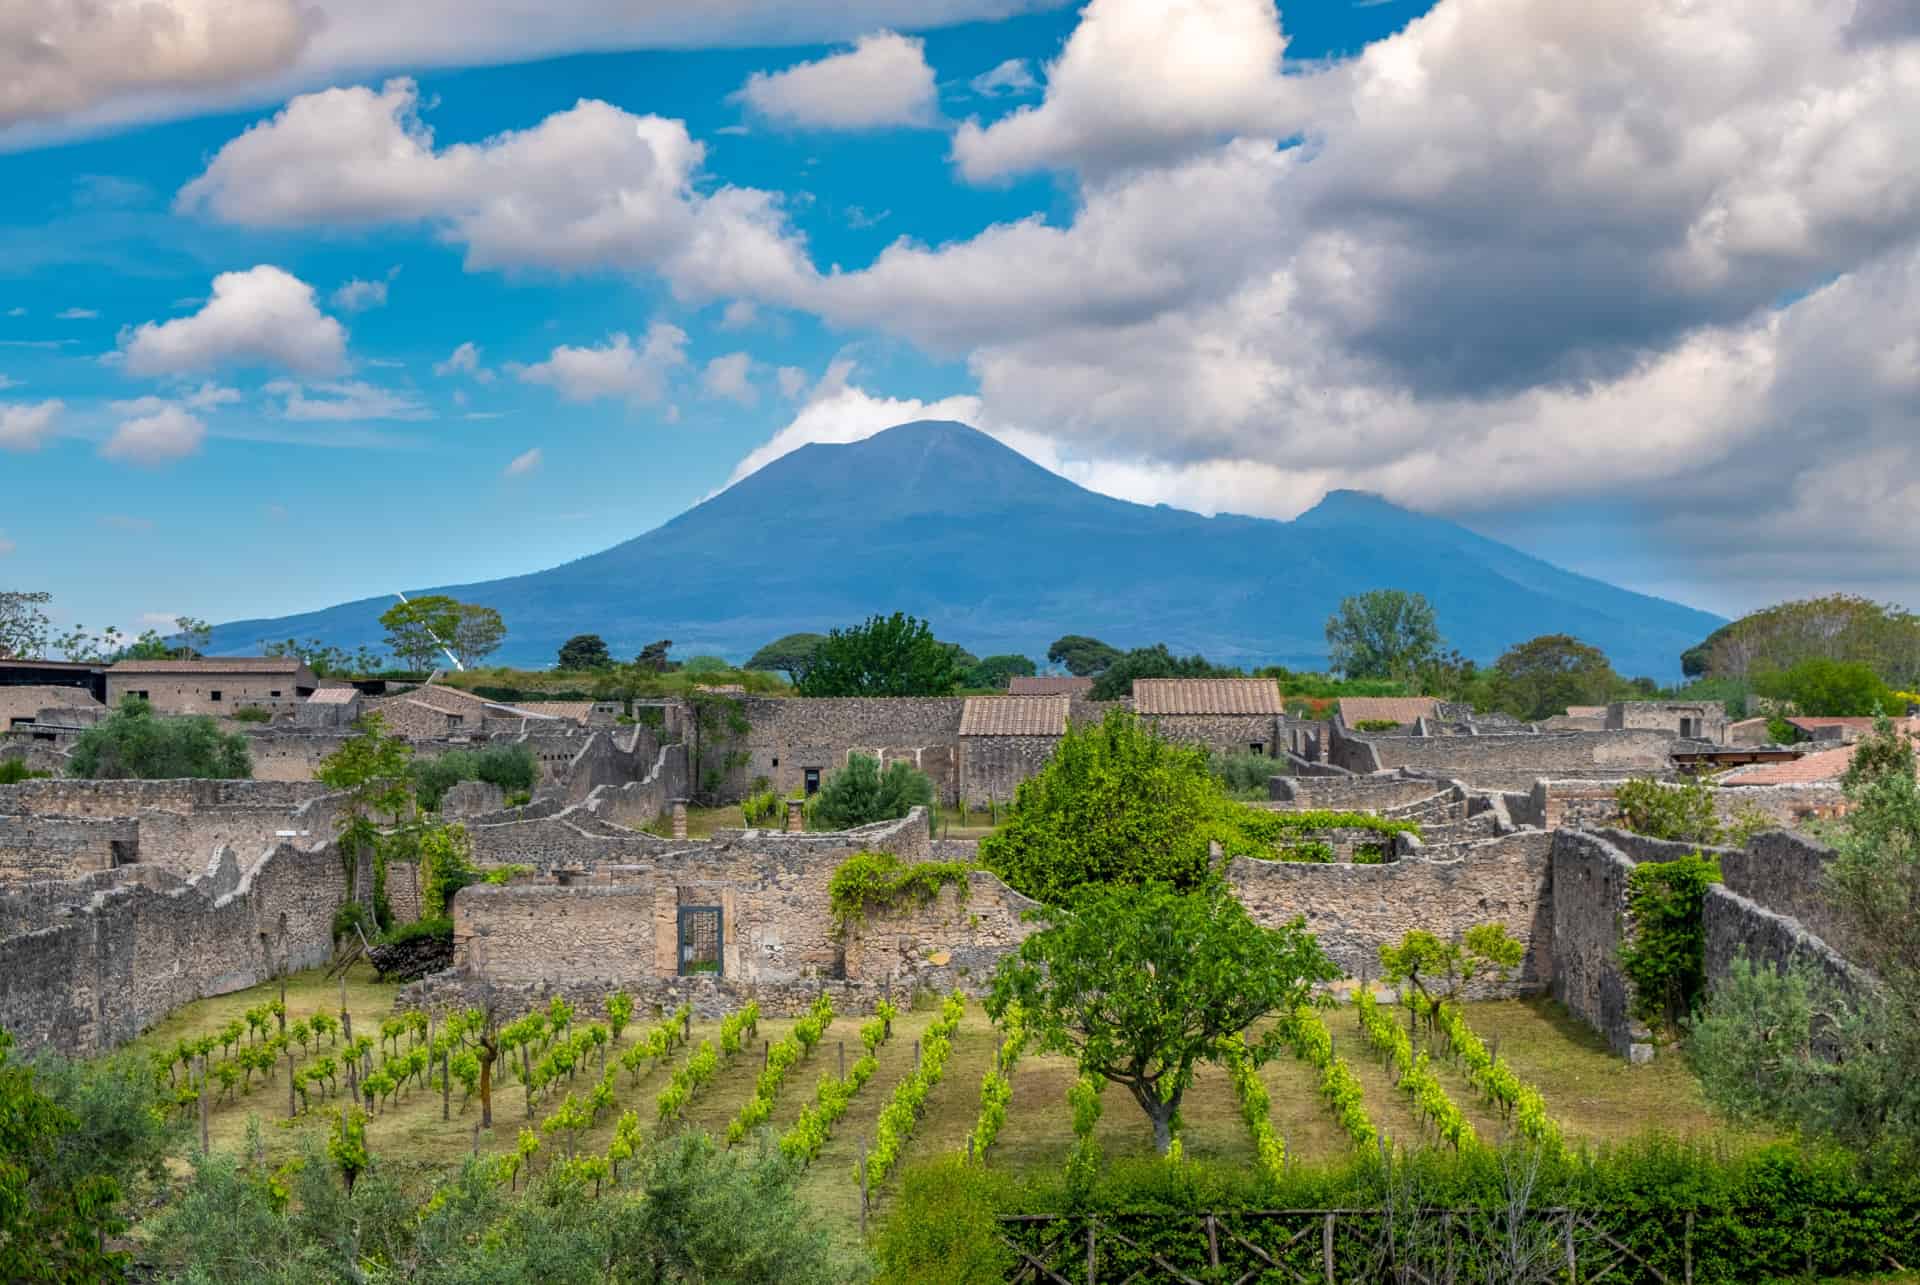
point(1439, 257)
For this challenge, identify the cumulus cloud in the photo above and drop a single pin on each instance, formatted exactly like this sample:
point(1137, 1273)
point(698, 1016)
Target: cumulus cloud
point(8, 381)
point(883, 80)
point(522, 464)
point(1012, 77)
point(25, 426)
point(464, 360)
point(61, 56)
point(261, 317)
point(1145, 81)
point(738, 315)
point(345, 400)
point(76, 314)
point(154, 433)
point(615, 369)
point(593, 187)
point(731, 379)
point(359, 294)
point(840, 412)
point(792, 381)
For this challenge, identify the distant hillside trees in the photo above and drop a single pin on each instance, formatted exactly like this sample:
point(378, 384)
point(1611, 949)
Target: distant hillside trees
point(1841, 627)
point(1542, 676)
point(893, 655)
point(327, 661)
point(418, 629)
point(1819, 687)
point(791, 655)
point(584, 651)
point(132, 744)
point(1115, 682)
point(994, 671)
point(1081, 655)
point(1383, 633)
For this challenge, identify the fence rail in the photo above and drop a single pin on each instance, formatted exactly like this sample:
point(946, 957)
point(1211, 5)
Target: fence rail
point(1427, 1245)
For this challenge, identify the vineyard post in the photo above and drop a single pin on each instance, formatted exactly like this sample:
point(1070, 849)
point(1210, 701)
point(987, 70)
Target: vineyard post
point(686, 1026)
point(203, 1104)
point(1326, 1248)
point(969, 1148)
point(476, 1139)
point(346, 1018)
point(843, 1059)
point(863, 1187)
point(353, 1078)
point(446, 1088)
point(1566, 1236)
point(282, 1014)
point(766, 1054)
point(289, 1083)
point(916, 1055)
point(1092, 1223)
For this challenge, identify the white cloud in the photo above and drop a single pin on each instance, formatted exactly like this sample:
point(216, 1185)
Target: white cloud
point(6, 546)
point(614, 369)
point(16, 311)
point(261, 317)
point(739, 314)
point(345, 400)
point(25, 426)
point(76, 314)
point(155, 434)
point(209, 395)
point(1013, 77)
point(359, 294)
point(731, 378)
point(839, 412)
point(464, 360)
point(883, 80)
point(1145, 81)
point(126, 522)
point(522, 464)
point(61, 56)
point(7, 381)
point(589, 188)
point(792, 381)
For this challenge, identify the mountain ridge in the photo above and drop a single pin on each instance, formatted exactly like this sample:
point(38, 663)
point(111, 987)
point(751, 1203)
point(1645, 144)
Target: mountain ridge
point(999, 554)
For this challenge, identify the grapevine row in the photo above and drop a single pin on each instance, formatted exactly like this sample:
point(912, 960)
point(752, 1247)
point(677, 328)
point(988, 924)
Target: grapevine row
point(902, 1112)
point(1518, 1101)
point(996, 1086)
point(1256, 1106)
point(1417, 1079)
point(781, 1057)
point(809, 1133)
point(1339, 1086)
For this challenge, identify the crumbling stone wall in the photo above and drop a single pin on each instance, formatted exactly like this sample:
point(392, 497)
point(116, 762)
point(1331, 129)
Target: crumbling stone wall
point(1225, 733)
point(284, 754)
point(955, 940)
point(789, 735)
point(1351, 793)
point(992, 767)
point(1591, 803)
point(1786, 874)
point(42, 847)
point(1509, 761)
point(128, 798)
point(1739, 927)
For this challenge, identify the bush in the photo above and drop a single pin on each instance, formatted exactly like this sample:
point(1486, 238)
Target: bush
point(15, 770)
point(861, 794)
point(763, 810)
point(419, 929)
point(352, 915)
point(1666, 958)
point(1682, 813)
point(1377, 725)
point(869, 881)
point(512, 767)
point(132, 744)
point(1243, 775)
point(944, 1227)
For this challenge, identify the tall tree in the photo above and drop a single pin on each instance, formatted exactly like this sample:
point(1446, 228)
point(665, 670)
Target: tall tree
point(131, 744)
point(1383, 633)
point(1142, 984)
point(893, 655)
point(860, 793)
point(477, 633)
point(1542, 676)
point(994, 671)
point(373, 769)
point(24, 627)
point(192, 636)
point(419, 629)
point(1115, 682)
point(1819, 687)
point(653, 657)
point(1082, 656)
point(791, 655)
point(584, 651)
point(1840, 627)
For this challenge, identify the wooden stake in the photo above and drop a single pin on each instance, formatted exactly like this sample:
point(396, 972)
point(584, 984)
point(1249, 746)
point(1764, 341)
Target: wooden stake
point(282, 1014)
point(476, 1139)
point(290, 1111)
point(1326, 1248)
point(863, 1188)
point(446, 1084)
point(203, 1104)
point(916, 1055)
point(843, 1059)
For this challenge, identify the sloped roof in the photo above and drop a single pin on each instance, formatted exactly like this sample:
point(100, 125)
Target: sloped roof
point(1207, 696)
point(1014, 716)
point(213, 665)
point(1399, 709)
point(1587, 711)
point(575, 711)
point(333, 696)
point(448, 700)
point(1048, 686)
point(1808, 769)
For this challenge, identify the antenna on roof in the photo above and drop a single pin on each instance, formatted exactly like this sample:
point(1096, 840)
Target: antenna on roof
point(436, 637)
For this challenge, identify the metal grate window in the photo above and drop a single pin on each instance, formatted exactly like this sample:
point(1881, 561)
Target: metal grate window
point(700, 939)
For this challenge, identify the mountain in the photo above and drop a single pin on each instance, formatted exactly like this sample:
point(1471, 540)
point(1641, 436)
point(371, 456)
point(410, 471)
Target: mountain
point(941, 521)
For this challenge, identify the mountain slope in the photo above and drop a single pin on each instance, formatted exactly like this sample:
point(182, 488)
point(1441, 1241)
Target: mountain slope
point(999, 554)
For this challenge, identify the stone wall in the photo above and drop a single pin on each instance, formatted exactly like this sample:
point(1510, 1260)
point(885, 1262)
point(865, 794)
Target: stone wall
point(42, 847)
point(1354, 910)
point(1786, 874)
point(1351, 793)
point(1590, 803)
point(127, 798)
point(1225, 733)
point(193, 693)
point(992, 767)
point(289, 755)
point(956, 940)
point(99, 976)
point(637, 803)
point(789, 735)
point(1509, 761)
point(1738, 927)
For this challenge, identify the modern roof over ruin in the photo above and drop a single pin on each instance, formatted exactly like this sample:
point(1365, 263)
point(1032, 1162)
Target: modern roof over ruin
point(333, 696)
point(1048, 685)
point(1014, 716)
point(213, 665)
point(1207, 696)
point(1808, 769)
point(1383, 709)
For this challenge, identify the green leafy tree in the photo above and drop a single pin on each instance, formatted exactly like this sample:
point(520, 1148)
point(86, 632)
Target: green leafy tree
point(653, 657)
point(1823, 688)
point(791, 655)
point(192, 636)
point(893, 655)
point(994, 671)
point(1383, 633)
point(1115, 804)
point(1142, 984)
point(1543, 676)
point(446, 866)
point(1842, 627)
point(132, 744)
point(584, 651)
point(1115, 682)
point(372, 768)
point(512, 767)
point(1435, 970)
point(418, 630)
point(861, 793)
point(477, 633)
point(1683, 813)
point(24, 627)
point(1082, 656)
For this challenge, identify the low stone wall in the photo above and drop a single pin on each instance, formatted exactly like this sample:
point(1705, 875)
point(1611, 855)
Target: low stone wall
point(1509, 761)
point(1786, 874)
point(1590, 803)
point(1350, 793)
point(51, 847)
point(788, 735)
point(1738, 927)
point(129, 798)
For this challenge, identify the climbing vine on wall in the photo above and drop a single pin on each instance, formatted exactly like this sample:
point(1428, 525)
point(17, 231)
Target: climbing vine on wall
point(879, 881)
point(1665, 958)
point(719, 727)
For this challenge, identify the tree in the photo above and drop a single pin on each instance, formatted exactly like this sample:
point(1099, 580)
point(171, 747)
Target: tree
point(372, 768)
point(584, 651)
point(193, 636)
point(418, 630)
point(791, 655)
point(132, 744)
point(893, 655)
point(1115, 804)
point(994, 671)
point(653, 657)
point(1681, 813)
point(1823, 688)
point(861, 793)
point(477, 633)
point(1543, 676)
point(1115, 682)
point(1383, 633)
point(1141, 984)
point(1081, 655)
point(24, 628)
point(1837, 627)
point(1436, 971)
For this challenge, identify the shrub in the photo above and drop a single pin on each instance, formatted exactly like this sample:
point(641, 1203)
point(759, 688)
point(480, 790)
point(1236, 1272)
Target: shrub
point(252, 714)
point(1665, 959)
point(132, 744)
point(861, 793)
point(1377, 725)
point(15, 770)
point(1243, 775)
point(512, 767)
point(1683, 813)
point(763, 810)
point(944, 1228)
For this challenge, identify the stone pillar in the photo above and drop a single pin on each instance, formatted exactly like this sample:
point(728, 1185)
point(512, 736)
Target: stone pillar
point(679, 818)
point(796, 815)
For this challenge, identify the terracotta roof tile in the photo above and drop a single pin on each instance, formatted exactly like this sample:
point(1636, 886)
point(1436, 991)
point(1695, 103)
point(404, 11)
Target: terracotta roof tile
point(1400, 709)
point(1207, 696)
point(333, 696)
point(576, 711)
point(1048, 686)
point(213, 665)
point(1808, 769)
point(1014, 716)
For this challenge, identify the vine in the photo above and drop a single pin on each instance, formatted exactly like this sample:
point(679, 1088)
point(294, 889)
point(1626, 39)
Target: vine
point(810, 1132)
point(902, 1112)
point(879, 881)
point(1517, 1100)
point(996, 1085)
point(1417, 1079)
point(781, 1057)
point(1339, 1086)
point(1256, 1106)
point(1665, 957)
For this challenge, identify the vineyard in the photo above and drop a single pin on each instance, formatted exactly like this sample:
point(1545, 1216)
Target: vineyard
point(833, 1091)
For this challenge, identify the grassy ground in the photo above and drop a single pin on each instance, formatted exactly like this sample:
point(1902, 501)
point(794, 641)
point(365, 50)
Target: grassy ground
point(1593, 1095)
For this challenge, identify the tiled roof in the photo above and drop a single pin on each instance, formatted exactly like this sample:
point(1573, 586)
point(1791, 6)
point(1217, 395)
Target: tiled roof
point(1207, 696)
point(577, 711)
point(213, 665)
point(1355, 710)
point(1014, 716)
point(1586, 711)
point(449, 700)
point(1858, 724)
point(333, 696)
point(1808, 769)
point(1018, 686)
